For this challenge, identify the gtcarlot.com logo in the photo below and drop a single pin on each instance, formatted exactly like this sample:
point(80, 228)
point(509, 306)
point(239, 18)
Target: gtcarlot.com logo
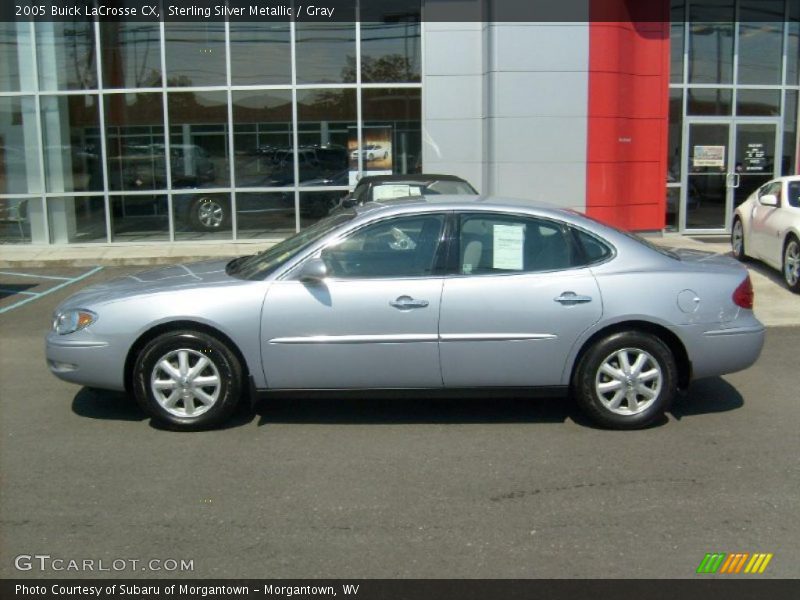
point(45, 562)
point(734, 563)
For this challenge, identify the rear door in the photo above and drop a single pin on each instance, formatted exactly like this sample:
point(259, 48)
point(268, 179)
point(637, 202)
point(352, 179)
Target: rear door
point(518, 303)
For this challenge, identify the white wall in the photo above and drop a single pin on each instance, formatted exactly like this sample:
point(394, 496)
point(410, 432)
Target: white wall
point(505, 107)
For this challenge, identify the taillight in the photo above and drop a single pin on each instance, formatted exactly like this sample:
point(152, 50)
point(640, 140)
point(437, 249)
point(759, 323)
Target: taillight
point(743, 295)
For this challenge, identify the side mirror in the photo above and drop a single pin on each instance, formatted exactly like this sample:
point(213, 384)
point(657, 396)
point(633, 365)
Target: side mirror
point(313, 270)
point(769, 200)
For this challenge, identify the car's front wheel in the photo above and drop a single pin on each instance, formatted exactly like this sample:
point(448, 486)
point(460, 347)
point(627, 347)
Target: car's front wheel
point(791, 264)
point(187, 380)
point(737, 240)
point(626, 380)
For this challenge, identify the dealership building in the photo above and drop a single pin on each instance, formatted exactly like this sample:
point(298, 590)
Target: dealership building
point(135, 132)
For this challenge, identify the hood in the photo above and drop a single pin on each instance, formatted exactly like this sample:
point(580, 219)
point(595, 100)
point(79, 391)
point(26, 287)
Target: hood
point(173, 277)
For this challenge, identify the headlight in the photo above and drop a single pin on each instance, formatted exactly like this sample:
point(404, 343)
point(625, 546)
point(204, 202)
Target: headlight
point(70, 321)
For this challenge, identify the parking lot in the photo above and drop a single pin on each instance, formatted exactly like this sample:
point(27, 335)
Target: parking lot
point(495, 488)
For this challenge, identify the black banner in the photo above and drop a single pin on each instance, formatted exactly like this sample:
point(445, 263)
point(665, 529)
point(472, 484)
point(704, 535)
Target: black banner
point(734, 588)
point(388, 10)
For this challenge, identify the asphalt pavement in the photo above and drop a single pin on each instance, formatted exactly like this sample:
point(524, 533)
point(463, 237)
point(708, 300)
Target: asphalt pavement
point(497, 488)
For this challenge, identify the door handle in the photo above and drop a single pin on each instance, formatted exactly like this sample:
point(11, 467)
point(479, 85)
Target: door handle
point(733, 180)
point(570, 298)
point(406, 302)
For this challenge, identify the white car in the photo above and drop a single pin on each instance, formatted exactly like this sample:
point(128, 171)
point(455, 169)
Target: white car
point(767, 226)
point(371, 152)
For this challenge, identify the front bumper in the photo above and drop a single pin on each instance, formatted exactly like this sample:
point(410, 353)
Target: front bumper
point(85, 362)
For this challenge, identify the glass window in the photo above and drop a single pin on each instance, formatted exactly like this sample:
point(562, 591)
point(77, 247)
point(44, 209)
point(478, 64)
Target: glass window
point(793, 189)
point(760, 41)
point(676, 42)
point(711, 41)
point(326, 121)
point(198, 126)
point(318, 204)
point(131, 54)
point(675, 135)
point(325, 52)
point(789, 161)
point(390, 51)
point(77, 220)
point(793, 44)
point(71, 131)
point(706, 101)
point(16, 57)
point(19, 146)
point(392, 135)
point(508, 244)
point(673, 201)
point(139, 218)
point(202, 216)
point(758, 103)
point(260, 54)
point(265, 214)
point(21, 221)
point(262, 138)
point(135, 141)
point(594, 250)
point(195, 53)
point(67, 55)
point(400, 247)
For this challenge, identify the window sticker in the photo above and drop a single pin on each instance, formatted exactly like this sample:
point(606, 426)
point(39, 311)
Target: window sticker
point(387, 192)
point(508, 245)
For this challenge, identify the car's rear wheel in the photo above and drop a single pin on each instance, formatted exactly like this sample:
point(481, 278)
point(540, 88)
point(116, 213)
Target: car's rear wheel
point(626, 380)
point(737, 240)
point(791, 264)
point(187, 380)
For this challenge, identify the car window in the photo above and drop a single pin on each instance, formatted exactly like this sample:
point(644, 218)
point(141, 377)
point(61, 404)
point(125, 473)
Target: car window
point(594, 250)
point(448, 187)
point(793, 190)
point(771, 188)
point(503, 244)
point(399, 247)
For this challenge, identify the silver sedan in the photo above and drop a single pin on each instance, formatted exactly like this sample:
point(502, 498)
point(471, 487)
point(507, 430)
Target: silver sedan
point(435, 295)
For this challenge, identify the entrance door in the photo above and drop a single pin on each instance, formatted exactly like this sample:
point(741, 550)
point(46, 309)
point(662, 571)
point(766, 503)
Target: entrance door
point(717, 179)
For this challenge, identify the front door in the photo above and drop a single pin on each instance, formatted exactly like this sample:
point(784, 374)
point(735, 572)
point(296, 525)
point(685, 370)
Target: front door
point(725, 161)
point(373, 323)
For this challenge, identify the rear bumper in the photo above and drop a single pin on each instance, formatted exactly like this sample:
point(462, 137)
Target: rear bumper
point(720, 351)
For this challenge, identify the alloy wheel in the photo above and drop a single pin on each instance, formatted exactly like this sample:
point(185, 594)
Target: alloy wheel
point(628, 381)
point(185, 382)
point(791, 263)
point(737, 238)
point(210, 214)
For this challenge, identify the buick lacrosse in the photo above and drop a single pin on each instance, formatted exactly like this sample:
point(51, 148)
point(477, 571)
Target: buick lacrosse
point(442, 294)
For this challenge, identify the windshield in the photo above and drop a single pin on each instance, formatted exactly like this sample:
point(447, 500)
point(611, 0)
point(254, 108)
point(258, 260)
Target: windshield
point(258, 266)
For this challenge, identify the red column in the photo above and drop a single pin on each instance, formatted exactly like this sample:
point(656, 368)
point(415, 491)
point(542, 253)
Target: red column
point(628, 112)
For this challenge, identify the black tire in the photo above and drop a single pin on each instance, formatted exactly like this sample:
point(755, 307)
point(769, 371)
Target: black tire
point(222, 364)
point(209, 213)
point(737, 249)
point(791, 276)
point(588, 376)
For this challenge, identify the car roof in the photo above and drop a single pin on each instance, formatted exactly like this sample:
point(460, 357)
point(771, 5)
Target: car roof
point(409, 178)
